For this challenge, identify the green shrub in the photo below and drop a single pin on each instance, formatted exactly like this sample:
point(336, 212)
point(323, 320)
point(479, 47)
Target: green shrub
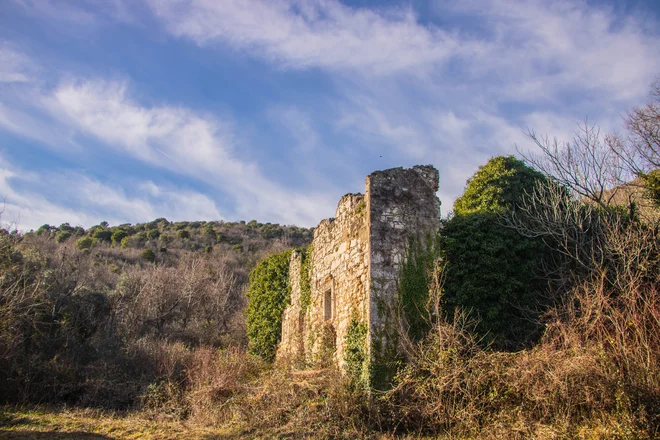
point(493, 271)
point(153, 234)
point(497, 186)
point(414, 284)
point(125, 241)
point(84, 243)
point(210, 234)
point(305, 275)
point(148, 255)
point(118, 236)
point(62, 236)
point(44, 229)
point(356, 360)
point(183, 233)
point(102, 234)
point(652, 186)
point(268, 294)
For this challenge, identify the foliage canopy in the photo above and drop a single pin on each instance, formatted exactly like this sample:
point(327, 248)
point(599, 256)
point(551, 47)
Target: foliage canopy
point(492, 270)
point(268, 295)
point(497, 186)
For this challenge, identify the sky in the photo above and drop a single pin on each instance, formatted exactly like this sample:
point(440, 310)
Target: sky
point(129, 110)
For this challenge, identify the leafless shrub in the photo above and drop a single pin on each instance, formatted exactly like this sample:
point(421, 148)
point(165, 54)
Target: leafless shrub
point(640, 149)
point(219, 380)
point(588, 166)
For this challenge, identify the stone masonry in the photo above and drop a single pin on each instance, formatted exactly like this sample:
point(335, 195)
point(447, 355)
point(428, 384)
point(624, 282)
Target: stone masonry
point(355, 264)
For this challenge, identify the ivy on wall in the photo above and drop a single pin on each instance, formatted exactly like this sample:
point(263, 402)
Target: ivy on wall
point(305, 276)
point(268, 295)
point(414, 284)
point(356, 360)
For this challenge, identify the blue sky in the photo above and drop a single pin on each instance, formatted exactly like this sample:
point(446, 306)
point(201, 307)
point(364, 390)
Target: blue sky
point(127, 110)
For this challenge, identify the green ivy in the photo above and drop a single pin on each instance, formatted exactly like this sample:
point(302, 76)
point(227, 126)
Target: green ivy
point(356, 360)
point(305, 275)
point(652, 186)
point(414, 284)
point(268, 295)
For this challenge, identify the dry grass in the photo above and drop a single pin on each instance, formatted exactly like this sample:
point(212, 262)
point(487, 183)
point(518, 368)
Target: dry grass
point(38, 423)
point(595, 374)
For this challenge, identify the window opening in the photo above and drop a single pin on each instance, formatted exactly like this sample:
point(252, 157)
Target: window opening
point(327, 310)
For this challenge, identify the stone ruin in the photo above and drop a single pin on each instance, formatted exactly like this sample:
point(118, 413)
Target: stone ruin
point(354, 265)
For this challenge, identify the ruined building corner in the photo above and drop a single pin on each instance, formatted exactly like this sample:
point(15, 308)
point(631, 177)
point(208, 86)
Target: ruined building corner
point(341, 308)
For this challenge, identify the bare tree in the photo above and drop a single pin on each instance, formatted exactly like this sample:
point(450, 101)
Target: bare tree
point(588, 165)
point(640, 149)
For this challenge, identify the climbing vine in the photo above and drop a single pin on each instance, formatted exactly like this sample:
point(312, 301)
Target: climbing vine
point(268, 295)
point(414, 284)
point(356, 361)
point(305, 275)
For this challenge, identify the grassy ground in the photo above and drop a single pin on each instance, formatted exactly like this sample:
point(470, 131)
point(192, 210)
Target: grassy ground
point(54, 423)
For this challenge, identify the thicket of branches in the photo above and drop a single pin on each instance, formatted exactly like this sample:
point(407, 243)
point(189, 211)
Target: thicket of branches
point(101, 324)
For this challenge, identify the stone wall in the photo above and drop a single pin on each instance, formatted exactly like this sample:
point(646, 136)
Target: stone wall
point(402, 206)
point(293, 319)
point(355, 265)
point(339, 273)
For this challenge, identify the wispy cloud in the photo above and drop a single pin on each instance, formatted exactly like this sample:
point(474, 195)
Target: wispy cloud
point(307, 34)
point(15, 67)
point(179, 140)
point(538, 48)
point(30, 200)
point(529, 49)
point(396, 90)
point(299, 126)
point(174, 138)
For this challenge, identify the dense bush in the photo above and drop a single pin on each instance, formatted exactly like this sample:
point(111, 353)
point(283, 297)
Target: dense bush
point(493, 271)
point(118, 236)
point(268, 296)
point(102, 234)
point(148, 255)
point(84, 243)
point(62, 236)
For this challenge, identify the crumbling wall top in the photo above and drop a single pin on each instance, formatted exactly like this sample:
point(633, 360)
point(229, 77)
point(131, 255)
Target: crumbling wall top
point(428, 172)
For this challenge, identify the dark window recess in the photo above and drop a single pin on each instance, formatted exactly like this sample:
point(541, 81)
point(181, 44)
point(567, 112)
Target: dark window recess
point(327, 303)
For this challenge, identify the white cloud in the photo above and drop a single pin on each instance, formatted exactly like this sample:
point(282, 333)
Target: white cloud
point(538, 48)
point(178, 139)
point(31, 200)
point(320, 33)
point(88, 13)
point(528, 50)
point(58, 10)
point(15, 67)
point(401, 88)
